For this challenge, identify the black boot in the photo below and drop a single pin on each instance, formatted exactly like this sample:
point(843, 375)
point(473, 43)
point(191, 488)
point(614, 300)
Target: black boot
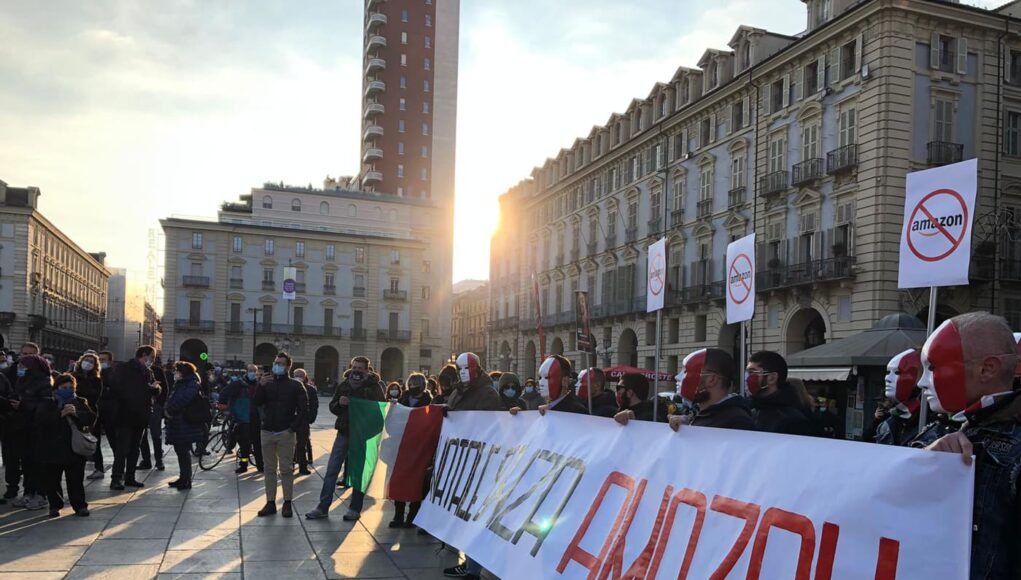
point(269, 509)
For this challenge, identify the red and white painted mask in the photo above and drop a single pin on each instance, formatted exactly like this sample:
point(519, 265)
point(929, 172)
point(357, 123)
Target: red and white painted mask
point(551, 377)
point(468, 367)
point(943, 376)
point(902, 373)
point(690, 375)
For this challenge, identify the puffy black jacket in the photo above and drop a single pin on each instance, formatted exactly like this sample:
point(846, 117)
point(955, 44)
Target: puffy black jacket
point(423, 399)
point(130, 386)
point(643, 411)
point(283, 405)
point(604, 404)
point(313, 402)
point(31, 390)
point(52, 433)
point(90, 388)
point(782, 412)
point(570, 404)
point(369, 389)
point(730, 413)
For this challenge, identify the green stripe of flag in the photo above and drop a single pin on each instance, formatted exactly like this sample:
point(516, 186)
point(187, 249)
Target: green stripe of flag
point(366, 431)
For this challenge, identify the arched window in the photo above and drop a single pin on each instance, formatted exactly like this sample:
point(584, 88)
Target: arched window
point(267, 202)
point(295, 204)
point(324, 208)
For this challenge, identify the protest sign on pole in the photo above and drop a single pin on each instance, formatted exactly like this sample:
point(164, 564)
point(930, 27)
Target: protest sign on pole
point(290, 286)
point(741, 279)
point(532, 497)
point(935, 243)
point(655, 289)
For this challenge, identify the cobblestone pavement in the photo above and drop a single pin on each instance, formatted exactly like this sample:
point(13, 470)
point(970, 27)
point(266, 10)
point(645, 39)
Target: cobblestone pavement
point(211, 531)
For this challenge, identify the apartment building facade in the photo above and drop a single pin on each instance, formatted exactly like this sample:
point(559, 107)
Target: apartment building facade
point(52, 292)
point(364, 282)
point(803, 140)
point(469, 324)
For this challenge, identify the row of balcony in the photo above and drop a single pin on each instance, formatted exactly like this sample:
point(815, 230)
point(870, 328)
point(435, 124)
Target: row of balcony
point(328, 289)
point(237, 327)
point(780, 275)
point(841, 159)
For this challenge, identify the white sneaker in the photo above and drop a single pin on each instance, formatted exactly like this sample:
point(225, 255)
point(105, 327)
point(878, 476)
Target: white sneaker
point(97, 474)
point(37, 502)
point(20, 501)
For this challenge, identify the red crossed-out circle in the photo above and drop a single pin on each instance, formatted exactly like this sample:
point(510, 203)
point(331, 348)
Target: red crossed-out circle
point(656, 275)
point(741, 282)
point(955, 242)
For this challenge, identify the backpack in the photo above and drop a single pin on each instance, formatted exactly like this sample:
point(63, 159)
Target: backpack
point(198, 411)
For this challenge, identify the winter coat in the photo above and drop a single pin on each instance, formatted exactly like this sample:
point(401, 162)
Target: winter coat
point(643, 411)
point(108, 404)
point(897, 430)
point(31, 390)
point(90, 388)
point(51, 433)
point(6, 395)
point(478, 396)
point(236, 396)
point(283, 405)
point(533, 401)
point(369, 390)
point(570, 404)
point(313, 402)
point(130, 385)
point(179, 430)
point(782, 412)
point(161, 377)
point(603, 405)
point(732, 412)
point(943, 425)
point(423, 399)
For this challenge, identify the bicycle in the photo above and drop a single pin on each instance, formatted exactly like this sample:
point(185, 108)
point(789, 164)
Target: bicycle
point(220, 441)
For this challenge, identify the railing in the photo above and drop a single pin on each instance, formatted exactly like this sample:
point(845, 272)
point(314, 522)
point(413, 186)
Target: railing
point(375, 42)
point(268, 284)
point(358, 333)
point(771, 183)
point(400, 295)
point(374, 86)
point(736, 197)
point(372, 177)
point(676, 217)
point(807, 171)
point(943, 152)
point(235, 327)
point(842, 159)
point(194, 325)
point(705, 208)
point(358, 291)
point(504, 323)
point(654, 225)
point(781, 276)
point(329, 290)
point(631, 234)
point(376, 19)
point(393, 335)
point(702, 293)
point(237, 283)
point(196, 281)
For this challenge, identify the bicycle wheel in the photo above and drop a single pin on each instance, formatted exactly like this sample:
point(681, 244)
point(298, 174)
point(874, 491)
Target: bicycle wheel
point(216, 450)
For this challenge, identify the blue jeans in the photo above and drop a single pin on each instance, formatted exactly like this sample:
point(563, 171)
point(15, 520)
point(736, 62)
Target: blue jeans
point(472, 566)
point(337, 456)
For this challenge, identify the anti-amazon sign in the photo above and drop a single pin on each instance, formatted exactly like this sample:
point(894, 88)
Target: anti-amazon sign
point(939, 209)
point(568, 496)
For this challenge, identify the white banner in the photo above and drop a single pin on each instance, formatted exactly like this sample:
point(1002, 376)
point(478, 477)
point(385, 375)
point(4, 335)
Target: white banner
point(939, 209)
point(655, 287)
point(290, 286)
point(574, 496)
point(741, 279)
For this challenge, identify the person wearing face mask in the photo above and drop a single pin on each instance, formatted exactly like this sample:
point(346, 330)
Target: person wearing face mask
point(416, 394)
point(154, 430)
point(432, 384)
point(303, 442)
point(902, 374)
point(90, 387)
point(182, 433)
point(604, 403)
point(393, 391)
point(707, 379)
point(134, 386)
point(52, 437)
point(555, 384)
point(510, 392)
point(968, 367)
point(530, 395)
point(447, 378)
point(34, 385)
point(283, 405)
point(360, 383)
point(633, 398)
point(236, 397)
point(778, 405)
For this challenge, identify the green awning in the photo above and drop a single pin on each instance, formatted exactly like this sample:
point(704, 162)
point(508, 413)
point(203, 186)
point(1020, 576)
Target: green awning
point(874, 347)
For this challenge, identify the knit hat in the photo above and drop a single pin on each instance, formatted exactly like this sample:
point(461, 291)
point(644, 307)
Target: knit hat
point(509, 379)
point(34, 362)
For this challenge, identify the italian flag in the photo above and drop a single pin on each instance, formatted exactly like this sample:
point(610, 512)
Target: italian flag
point(394, 442)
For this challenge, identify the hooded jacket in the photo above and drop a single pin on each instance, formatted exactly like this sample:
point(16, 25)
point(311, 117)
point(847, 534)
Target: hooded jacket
point(782, 412)
point(478, 396)
point(368, 390)
point(732, 412)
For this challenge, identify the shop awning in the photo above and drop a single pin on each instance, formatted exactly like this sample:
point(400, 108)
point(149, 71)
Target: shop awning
point(820, 374)
point(874, 347)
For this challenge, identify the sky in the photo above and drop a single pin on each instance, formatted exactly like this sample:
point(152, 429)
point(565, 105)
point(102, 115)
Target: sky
point(127, 111)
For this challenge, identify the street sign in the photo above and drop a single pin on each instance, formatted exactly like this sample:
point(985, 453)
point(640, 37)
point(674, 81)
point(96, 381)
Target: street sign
point(939, 208)
point(741, 279)
point(655, 297)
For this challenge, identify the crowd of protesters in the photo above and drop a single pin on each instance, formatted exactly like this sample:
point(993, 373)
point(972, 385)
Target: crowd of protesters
point(966, 373)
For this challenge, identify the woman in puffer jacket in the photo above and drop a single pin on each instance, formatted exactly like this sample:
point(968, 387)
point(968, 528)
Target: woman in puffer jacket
point(181, 433)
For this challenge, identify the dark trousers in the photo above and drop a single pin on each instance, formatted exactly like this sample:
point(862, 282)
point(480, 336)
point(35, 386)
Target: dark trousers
point(74, 474)
point(399, 510)
point(18, 450)
point(243, 436)
point(125, 452)
point(155, 430)
point(303, 448)
point(12, 462)
point(183, 451)
point(97, 457)
point(255, 439)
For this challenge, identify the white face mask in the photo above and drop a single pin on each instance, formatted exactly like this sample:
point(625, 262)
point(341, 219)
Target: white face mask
point(465, 375)
point(544, 387)
point(87, 366)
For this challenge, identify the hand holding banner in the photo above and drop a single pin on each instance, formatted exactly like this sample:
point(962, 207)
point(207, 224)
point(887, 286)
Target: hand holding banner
point(741, 279)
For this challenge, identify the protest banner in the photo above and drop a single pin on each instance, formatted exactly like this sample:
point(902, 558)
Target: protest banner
point(573, 496)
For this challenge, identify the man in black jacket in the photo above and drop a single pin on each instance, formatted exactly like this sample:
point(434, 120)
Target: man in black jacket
point(633, 393)
point(303, 443)
point(283, 404)
point(714, 374)
point(604, 403)
point(360, 383)
point(133, 386)
point(777, 406)
point(154, 431)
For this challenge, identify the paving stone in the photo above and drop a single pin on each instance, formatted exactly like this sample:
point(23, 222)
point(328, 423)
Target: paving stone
point(374, 564)
point(214, 539)
point(208, 560)
point(141, 523)
point(202, 576)
point(105, 552)
point(191, 520)
point(131, 572)
point(29, 558)
point(291, 570)
point(264, 544)
point(329, 543)
point(65, 531)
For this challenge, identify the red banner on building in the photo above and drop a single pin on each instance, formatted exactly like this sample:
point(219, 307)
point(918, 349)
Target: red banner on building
point(586, 342)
